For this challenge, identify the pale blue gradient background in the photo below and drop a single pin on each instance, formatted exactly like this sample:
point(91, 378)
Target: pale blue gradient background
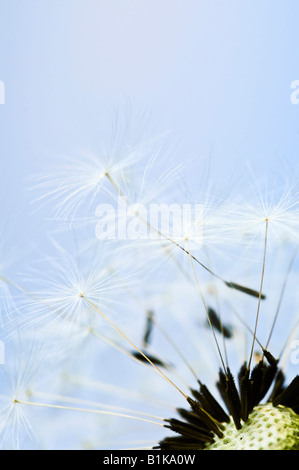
point(217, 73)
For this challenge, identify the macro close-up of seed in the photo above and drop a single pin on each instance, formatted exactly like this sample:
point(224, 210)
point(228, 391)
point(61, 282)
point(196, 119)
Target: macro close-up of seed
point(149, 229)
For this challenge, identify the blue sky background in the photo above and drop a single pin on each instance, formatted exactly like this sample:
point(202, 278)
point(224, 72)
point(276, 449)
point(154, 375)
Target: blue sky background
point(216, 73)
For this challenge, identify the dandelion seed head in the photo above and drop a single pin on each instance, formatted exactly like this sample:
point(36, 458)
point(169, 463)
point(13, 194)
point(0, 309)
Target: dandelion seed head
point(218, 290)
point(267, 429)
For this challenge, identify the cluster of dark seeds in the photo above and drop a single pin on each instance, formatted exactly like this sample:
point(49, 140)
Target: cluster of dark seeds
point(197, 427)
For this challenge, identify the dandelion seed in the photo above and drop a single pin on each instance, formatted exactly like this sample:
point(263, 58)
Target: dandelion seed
point(225, 330)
